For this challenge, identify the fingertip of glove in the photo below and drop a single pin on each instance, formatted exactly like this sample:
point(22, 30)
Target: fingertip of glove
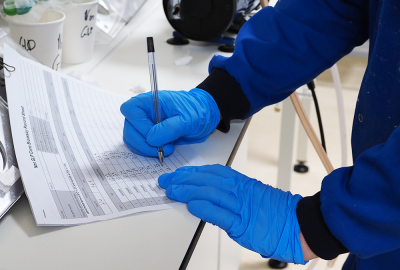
point(126, 106)
point(163, 180)
point(133, 102)
point(193, 207)
point(168, 149)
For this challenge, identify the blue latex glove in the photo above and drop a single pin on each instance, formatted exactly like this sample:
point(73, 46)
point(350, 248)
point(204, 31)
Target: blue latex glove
point(188, 117)
point(257, 216)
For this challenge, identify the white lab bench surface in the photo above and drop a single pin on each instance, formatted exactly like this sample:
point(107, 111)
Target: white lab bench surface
point(153, 240)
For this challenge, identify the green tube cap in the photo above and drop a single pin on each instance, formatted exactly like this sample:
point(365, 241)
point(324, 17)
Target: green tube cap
point(9, 8)
point(12, 7)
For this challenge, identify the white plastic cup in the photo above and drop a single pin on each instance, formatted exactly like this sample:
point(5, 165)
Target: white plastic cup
point(79, 32)
point(42, 39)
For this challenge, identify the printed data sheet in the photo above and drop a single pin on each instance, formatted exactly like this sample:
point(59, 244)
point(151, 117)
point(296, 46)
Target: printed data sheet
point(68, 142)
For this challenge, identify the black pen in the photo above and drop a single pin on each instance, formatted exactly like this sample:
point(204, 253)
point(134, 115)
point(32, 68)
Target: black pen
point(154, 90)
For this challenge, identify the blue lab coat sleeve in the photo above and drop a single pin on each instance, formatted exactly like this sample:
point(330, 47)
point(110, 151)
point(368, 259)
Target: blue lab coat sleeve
point(281, 48)
point(278, 50)
point(360, 204)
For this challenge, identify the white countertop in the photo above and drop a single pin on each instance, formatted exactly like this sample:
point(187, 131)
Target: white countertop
point(155, 240)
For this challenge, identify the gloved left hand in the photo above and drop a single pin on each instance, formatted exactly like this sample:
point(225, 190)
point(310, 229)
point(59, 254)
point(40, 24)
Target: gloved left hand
point(257, 216)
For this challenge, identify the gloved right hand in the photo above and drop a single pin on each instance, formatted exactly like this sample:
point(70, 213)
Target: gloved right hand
point(187, 117)
point(257, 216)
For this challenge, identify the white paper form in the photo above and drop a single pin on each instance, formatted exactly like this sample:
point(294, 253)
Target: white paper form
point(68, 142)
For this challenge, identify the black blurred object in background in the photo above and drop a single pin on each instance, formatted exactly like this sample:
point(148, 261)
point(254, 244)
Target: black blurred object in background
point(206, 20)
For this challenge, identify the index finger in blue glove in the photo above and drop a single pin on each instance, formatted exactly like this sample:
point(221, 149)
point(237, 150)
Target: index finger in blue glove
point(216, 169)
point(213, 214)
point(219, 197)
point(167, 131)
point(195, 179)
point(210, 175)
point(137, 143)
point(138, 113)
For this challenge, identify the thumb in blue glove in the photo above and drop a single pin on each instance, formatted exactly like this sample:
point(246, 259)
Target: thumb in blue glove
point(188, 117)
point(257, 216)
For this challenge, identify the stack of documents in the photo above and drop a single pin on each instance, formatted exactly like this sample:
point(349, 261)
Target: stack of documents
point(68, 142)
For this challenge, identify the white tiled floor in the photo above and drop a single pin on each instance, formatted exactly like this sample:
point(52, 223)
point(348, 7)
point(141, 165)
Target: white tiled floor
point(264, 132)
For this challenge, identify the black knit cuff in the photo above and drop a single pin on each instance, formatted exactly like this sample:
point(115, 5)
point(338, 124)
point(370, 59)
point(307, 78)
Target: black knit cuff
point(315, 231)
point(227, 93)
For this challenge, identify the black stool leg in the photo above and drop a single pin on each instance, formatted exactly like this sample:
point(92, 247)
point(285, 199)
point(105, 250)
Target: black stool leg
point(275, 264)
point(301, 167)
point(227, 48)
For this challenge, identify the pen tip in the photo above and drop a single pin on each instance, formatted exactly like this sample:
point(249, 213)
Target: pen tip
point(161, 157)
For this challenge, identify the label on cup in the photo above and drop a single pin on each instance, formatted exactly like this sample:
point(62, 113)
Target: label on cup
point(79, 32)
point(27, 44)
point(88, 30)
point(30, 44)
point(57, 60)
